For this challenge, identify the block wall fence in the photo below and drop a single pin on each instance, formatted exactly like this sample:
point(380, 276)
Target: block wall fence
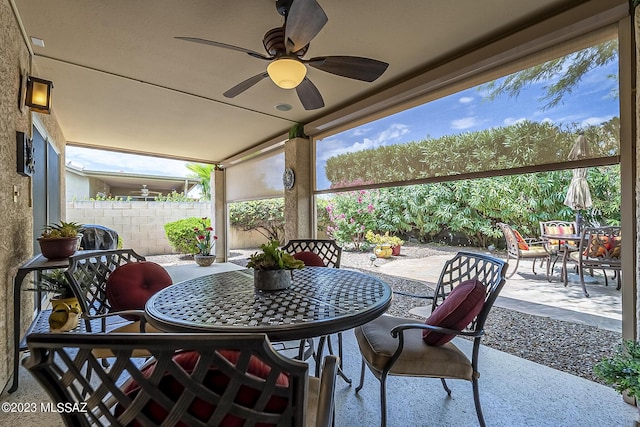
point(140, 224)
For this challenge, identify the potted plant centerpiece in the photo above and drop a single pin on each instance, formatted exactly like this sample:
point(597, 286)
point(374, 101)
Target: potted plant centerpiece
point(60, 240)
point(622, 370)
point(65, 306)
point(205, 242)
point(272, 267)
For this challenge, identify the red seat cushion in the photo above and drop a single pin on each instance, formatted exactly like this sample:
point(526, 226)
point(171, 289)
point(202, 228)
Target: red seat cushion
point(131, 285)
point(310, 259)
point(215, 380)
point(462, 305)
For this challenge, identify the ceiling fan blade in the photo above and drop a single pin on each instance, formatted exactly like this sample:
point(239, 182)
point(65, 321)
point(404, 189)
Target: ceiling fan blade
point(353, 67)
point(304, 21)
point(242, 86)
point(225, 46)
point(309, 95)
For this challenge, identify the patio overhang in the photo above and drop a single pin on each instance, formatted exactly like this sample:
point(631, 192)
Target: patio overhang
point(123, 82)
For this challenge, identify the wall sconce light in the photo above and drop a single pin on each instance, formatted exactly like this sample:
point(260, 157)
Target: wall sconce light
point(38, 97)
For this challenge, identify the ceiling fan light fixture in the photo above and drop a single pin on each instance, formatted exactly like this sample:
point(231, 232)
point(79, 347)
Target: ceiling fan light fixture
point(287, 73)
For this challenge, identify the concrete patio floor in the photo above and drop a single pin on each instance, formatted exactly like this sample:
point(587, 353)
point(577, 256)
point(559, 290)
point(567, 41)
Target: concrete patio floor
point(514, 391)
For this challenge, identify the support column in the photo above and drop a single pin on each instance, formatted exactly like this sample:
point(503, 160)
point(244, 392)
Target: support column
point(297, 200)
point(219, 214)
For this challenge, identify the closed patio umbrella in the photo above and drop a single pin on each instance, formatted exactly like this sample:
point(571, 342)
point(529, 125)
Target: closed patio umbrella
point(579, 195)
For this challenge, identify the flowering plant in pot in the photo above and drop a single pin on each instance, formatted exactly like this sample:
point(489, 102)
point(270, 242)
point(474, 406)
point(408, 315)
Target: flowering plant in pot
point(272, 267)
point(205, 242)
point(59, 240)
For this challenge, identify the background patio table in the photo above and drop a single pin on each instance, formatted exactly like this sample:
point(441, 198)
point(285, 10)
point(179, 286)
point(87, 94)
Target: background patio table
point(575, 238)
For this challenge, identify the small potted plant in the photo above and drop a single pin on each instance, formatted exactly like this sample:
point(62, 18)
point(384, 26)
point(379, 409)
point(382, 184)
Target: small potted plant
point(60, 240)
point(385, 245)
point(205, 242)
point(64, 304)
point(272, 267)
point(622, 370)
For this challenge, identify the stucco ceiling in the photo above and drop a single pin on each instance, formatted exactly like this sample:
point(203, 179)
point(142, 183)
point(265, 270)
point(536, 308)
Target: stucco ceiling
point(122, 81)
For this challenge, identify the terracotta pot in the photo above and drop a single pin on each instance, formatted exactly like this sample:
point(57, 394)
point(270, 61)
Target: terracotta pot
point(59, 248)
point(204, 260)
point(271, 280)
point(395, 250)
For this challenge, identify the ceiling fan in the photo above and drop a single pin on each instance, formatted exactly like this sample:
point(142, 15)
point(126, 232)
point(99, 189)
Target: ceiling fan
point(286, 45)
point(144, 191)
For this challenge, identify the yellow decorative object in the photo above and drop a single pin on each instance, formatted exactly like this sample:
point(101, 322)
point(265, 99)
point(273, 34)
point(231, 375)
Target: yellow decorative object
point(383, 251)
point(65, 314)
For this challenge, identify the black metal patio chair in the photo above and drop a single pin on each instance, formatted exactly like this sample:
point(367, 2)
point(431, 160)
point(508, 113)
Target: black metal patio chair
point(192, 380)
point(319, 253)
point(399, 346)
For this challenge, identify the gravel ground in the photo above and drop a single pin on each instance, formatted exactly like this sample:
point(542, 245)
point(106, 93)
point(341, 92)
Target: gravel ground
point(565, 346)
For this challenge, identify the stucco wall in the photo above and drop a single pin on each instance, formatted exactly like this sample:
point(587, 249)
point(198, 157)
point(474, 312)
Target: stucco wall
point(139, 224)
point(17, 223)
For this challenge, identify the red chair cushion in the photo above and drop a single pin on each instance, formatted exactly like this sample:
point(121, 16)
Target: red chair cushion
point(216, 381)
point(131, 285)
point(522, 244)
point(462, 305)
point(310, 259)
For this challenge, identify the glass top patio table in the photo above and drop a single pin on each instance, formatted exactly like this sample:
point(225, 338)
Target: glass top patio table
point(320, 301)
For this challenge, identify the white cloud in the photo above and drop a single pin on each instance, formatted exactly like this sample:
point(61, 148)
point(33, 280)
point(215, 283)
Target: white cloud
point(592, 121)
point(391, 134)
point(361, 131)
point(465, 100)
point(102, 160)
point(547, 120)
point(512, 121)
point(464, 123)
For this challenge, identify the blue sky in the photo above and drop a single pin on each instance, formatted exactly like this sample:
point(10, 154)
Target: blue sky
point(590, 103)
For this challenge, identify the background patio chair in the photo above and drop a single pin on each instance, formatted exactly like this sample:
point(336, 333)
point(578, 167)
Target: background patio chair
point(520, 248)
point(600, 248)
point(396, 346)
point(327, 250)
point(319, 253)
point(193, 379)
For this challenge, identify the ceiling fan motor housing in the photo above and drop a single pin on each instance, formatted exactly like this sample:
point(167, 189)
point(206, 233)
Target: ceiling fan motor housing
point(273, 42)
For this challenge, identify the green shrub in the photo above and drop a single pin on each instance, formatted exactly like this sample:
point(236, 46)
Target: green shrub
point(264, 216)
point(181, 234)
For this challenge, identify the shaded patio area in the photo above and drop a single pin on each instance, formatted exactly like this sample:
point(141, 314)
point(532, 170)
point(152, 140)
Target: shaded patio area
point(514, 391)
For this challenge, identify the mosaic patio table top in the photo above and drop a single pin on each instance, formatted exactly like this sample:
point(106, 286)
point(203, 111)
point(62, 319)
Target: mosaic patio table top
point(320, 301)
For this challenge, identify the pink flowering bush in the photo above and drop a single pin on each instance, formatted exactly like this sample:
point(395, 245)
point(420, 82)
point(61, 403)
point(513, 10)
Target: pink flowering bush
point(351, 214)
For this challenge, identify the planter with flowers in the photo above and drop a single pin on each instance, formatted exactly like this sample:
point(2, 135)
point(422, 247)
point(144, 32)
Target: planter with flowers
point(385, 245)
point(59, 241)
point(205, 242)
point(272, 268)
